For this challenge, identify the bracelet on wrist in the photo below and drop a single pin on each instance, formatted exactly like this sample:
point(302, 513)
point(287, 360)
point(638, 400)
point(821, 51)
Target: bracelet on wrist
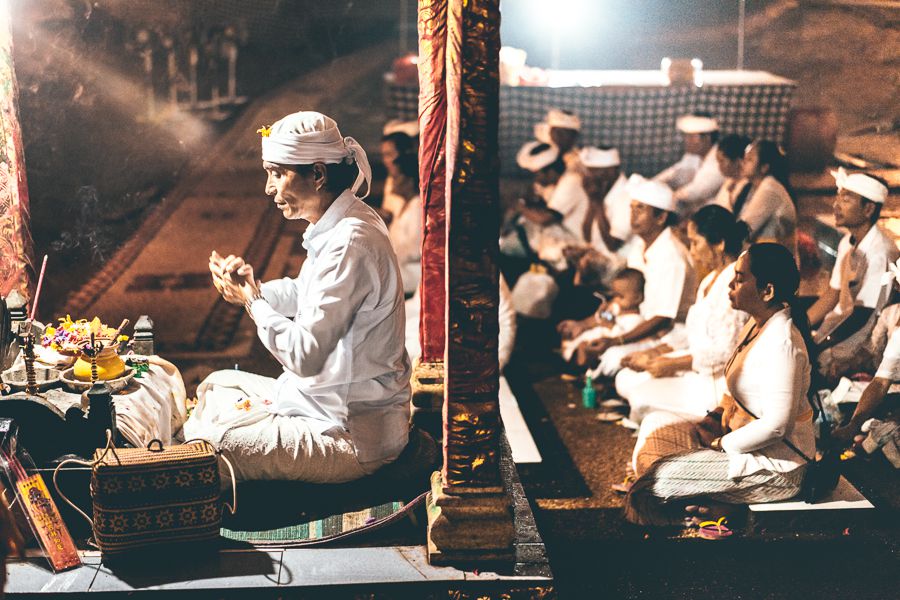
point(253, 298)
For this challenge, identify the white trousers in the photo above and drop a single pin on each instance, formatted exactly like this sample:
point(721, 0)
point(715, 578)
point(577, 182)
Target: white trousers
point(690, 394)
point(232, 414)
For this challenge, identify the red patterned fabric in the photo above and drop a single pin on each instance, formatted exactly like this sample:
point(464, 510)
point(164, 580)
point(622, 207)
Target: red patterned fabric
point(432, 173)
point(16, 252)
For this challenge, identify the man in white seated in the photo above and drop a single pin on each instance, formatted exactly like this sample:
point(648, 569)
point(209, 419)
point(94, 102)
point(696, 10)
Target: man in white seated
point(340, 409)
point(695, 178)
point(876, 414)
point(536, 230)
point(569, 198)
point(845, 313)
point(669, 281)
point(607, 224)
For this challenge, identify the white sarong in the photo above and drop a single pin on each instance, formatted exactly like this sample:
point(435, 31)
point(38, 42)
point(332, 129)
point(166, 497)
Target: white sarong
point(232, 413)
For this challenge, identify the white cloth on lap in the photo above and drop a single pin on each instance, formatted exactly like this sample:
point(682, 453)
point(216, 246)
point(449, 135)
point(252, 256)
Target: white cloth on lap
point(688, 394)
point(232, 413)
point(611, 360)
point(623, 324)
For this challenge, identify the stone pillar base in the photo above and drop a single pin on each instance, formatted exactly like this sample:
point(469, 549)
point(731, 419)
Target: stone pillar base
point(469, 528)
point(428, 397)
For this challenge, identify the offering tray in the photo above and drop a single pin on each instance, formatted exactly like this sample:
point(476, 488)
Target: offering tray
point(76, 385)
point(17, 379)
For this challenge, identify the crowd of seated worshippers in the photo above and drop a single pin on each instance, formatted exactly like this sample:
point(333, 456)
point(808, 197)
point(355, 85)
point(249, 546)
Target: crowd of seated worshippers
point(723, 215)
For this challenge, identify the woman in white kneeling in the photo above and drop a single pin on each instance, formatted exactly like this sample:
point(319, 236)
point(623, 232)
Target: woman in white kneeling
point(685, 373)
point(755, 446)
point(340, 409)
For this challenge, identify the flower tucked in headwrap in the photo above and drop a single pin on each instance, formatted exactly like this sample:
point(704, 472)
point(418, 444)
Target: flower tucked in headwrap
point(308, 137)
point(862, 184)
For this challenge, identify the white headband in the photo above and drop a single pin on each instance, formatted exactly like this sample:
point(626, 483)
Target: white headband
point(696, 124)
point(652, 193)
point(308, 137)
point(598, 158)
point(862, 184)
point(533, 161)
point(563, 119)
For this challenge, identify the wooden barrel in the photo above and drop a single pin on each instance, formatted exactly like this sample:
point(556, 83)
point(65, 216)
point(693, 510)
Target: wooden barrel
point(810, 137)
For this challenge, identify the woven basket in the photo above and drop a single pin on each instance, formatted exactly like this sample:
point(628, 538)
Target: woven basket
point(144, 497)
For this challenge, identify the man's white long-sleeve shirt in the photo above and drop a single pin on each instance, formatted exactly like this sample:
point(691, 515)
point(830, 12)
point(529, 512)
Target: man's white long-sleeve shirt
point(338, 331)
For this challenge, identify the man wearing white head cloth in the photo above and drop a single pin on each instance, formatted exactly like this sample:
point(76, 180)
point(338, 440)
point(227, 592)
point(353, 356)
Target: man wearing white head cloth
point(846, 312)
point(536, 231)
point(608, 223)
point(695, 178)
point(669, 280)
point(340, 408)
point(569, 199)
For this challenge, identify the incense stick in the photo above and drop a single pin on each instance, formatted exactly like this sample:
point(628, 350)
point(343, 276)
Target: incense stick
point(37, 292)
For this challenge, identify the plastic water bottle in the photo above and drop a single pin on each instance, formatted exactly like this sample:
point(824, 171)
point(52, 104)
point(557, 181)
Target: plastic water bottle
point(588, 395)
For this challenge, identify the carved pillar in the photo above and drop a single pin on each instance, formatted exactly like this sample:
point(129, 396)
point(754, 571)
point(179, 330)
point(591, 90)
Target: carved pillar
point(428, 374)
point(16, 254)
point(469, 513)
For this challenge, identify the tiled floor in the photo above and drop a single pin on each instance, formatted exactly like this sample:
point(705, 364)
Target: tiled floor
point(237, 572)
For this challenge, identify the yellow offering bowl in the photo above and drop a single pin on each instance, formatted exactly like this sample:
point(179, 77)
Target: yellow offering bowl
point(109, 365)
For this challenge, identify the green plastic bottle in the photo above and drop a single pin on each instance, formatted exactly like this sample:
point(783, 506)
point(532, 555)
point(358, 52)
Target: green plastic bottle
point(588, 394)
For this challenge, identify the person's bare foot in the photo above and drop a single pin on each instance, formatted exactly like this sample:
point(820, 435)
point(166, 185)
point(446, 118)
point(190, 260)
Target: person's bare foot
point(709, 511)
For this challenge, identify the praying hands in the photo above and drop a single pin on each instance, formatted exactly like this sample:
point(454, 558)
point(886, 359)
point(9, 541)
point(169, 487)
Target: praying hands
point(233, 278)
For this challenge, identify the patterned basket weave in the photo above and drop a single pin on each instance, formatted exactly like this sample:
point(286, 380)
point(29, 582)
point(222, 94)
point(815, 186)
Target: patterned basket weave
point(155, 495)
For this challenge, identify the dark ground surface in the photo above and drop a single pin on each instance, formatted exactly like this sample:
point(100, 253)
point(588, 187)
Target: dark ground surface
point(595, 554)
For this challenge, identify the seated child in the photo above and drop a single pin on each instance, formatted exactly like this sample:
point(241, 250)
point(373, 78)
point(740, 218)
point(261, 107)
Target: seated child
point(612, 319)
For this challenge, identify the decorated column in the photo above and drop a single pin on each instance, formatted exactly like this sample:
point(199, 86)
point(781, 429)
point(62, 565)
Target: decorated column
point(469, 513)
point(16, 254)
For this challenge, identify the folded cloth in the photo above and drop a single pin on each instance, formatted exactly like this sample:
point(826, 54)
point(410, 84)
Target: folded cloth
point(156, 410)
point(232, 413)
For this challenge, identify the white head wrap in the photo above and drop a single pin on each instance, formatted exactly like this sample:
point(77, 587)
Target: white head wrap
point(534, 156)
point(308, 137)
point(598, 158)
point(696, 124)
point(651, 193)
point(410, 128)
point(862, 184)
point(563, 119)
point(542, 132)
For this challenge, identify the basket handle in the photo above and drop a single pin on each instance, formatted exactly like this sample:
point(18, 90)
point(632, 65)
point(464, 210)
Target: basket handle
point(232, 508)
point(84, 463)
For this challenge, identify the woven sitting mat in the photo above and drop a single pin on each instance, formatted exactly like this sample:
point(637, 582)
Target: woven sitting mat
point(334, 527)
point(279, 512)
